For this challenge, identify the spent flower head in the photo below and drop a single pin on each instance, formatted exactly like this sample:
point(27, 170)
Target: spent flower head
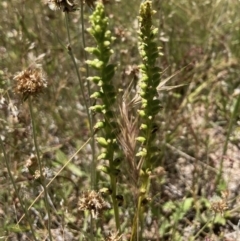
point(64, 5)
point(92, 201)
point(30, 81)
point(218, 204)
point(113, 237)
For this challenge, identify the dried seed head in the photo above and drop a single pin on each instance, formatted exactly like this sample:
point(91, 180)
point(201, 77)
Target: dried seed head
point(113, 237)
point(218, 204)
point(31, 81)
point(47, 173)
point(64, 5)
point(32, 164)
point(93, 202)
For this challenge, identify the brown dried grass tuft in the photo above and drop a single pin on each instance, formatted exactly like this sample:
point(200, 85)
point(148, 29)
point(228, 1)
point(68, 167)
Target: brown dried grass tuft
point(128, 134)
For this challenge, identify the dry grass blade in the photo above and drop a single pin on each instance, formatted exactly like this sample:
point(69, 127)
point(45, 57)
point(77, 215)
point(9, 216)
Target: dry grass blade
point(162, 84)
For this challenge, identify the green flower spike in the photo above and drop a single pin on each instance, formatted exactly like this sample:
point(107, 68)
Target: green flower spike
point(150, 106)
point(105, 97)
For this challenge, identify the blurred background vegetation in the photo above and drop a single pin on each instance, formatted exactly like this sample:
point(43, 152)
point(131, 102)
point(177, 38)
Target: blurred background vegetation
point(198, 131)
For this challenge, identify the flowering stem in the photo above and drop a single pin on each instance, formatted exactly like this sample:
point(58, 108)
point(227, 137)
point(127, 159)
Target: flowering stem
point(150, 106)
point(40, 167)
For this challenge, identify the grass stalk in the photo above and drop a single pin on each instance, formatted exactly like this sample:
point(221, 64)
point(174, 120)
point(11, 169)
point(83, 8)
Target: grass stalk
point(137, 218)
point(43, 181)
point(70, 52)
point(93, 163)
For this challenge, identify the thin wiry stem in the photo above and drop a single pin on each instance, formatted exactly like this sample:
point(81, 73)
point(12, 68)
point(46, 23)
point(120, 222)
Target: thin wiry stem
point(7, 161)
point(78, 73)
point(84, 44)
point(76, 67)
point(40, 168)
point(93, 164)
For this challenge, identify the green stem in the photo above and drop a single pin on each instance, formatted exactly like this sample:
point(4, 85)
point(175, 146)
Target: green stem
point(113, 181)
point(7, 161)
point(40, 168)
point(134, 234)
point(115, 203)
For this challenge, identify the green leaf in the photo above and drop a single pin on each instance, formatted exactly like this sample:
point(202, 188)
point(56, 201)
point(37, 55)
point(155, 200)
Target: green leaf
point(169, 206)
point(187, 204)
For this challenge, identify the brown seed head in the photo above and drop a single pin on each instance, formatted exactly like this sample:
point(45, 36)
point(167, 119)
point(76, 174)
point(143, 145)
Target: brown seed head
point(31, 81)
point(218, 205)
point(93, 202)
point(113, 237)
point(64, 5)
